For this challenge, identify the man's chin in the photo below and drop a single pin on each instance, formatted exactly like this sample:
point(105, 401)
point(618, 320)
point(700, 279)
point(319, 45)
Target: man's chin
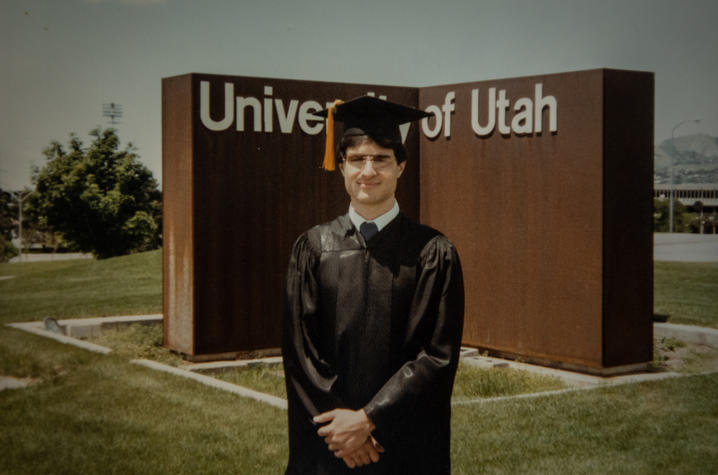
point(366, 199)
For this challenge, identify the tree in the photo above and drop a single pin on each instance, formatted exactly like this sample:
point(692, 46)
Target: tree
point(661, 213)
point(7, 249)
point(100, 199)
point(7, 215)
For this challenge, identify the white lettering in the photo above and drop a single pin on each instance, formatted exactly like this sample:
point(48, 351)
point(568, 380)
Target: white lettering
point(204, 113)
point(286, 121)
point(527, 117)
point(256, 106)
point(522, 123)
point(373, 94)
point(429, 132)
point(306, 115)
point(268, 109)
point(448, 108)
point(541, 103)
point(404, 130)
point(502, 105)
point(489, 127)
point(528, 113)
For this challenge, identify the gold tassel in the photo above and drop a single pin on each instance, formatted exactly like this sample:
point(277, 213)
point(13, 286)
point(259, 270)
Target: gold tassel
point(329, 163)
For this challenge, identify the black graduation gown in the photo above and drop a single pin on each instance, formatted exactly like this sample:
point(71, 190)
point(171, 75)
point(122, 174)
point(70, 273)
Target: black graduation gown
point(374, 326)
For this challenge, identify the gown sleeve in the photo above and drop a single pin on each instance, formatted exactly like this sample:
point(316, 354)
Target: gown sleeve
point(309, 378)
point(422, 385)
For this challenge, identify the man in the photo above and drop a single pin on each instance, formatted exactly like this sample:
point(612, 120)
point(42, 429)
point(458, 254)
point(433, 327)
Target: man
point(374, 317)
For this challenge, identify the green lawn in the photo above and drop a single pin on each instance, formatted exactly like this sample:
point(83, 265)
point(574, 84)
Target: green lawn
point(132, 285)
point(129, 285)
point(659, 427)
point(95, 414)
point(145, 341)
point(687, 292)
point(91, 413)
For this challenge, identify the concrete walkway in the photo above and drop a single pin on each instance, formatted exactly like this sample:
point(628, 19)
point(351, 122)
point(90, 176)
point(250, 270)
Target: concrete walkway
point(8, 382)
point(685, 247)
point(50, 256)
point(69, 330)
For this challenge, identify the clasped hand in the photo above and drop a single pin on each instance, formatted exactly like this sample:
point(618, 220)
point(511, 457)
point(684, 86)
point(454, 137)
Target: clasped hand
point(348, 435)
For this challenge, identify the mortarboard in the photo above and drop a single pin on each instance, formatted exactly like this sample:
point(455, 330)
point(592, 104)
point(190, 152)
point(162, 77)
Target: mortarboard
point(366, 115)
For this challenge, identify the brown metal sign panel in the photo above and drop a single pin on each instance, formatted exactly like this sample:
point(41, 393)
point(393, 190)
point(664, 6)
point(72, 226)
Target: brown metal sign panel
point(241, 178)
point(628, 218)
point(178, 231)
point(539, 181)
point(543, 183)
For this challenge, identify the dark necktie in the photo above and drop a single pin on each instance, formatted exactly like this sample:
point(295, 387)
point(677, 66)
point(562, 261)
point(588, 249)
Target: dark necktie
point(368, 230)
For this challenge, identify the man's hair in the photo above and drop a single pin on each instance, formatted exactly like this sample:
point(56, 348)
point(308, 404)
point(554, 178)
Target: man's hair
point(353, 140)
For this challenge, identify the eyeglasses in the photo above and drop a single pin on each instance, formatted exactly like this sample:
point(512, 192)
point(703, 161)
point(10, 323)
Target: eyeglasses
point(379, 162)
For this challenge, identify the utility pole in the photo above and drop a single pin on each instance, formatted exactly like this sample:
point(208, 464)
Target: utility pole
point(20, 197)
point(673, 191)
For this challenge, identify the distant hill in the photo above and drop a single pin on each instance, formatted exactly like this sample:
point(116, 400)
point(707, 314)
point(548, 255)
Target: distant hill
point(695, 159)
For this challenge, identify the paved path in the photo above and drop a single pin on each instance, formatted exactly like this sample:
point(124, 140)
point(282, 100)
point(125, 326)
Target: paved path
point(8, 382)
point(42, 257)
point(685, 247)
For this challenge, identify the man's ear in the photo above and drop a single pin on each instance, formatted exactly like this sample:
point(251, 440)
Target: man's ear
point(402, 165)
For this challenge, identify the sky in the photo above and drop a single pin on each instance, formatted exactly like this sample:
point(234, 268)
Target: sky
point(62, 60)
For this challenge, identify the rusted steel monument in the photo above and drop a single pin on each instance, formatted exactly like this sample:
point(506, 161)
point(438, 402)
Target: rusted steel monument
point(543, 183)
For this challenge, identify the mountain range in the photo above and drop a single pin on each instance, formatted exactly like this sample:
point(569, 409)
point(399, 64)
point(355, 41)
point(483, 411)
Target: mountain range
point(694, 159)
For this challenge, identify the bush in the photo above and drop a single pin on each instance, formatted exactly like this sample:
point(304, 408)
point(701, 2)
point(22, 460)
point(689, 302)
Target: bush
point(7, 249)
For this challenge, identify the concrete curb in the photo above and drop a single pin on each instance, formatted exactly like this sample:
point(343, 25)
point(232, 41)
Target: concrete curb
point(38, 328)
point(85, 327)
point(215, 383)
point(687, 333)
point(8, 382)
point(617, 381)
point(224, 365)
point(91, 327)
point(569, 377)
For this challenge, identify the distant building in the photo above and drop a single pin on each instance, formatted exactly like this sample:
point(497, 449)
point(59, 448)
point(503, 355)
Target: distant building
point(690, 195)
point(698, 198)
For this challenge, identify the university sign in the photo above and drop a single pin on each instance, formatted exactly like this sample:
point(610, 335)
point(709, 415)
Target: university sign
point(527, 120)
point(543, 184)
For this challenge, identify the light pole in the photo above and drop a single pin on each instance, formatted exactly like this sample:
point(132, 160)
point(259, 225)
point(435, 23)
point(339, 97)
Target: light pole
point(113, 111)
point(20, 198)
point(675, 149)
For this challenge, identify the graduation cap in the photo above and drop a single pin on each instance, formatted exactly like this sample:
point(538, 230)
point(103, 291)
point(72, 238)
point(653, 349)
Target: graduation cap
point(366, 115)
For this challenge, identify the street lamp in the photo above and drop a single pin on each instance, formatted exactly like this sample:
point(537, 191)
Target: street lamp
point(675, 149)
point(113, 111)
point(20, 198)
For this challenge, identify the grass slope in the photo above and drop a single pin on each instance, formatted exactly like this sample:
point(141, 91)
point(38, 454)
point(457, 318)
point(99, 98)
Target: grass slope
point(128, 285)
point(687, 291)
point(132, 285)
point(145, 341)
point(669, 426)
point(89, 413)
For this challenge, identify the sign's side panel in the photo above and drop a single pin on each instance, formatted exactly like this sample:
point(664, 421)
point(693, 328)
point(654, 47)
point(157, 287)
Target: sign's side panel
point(628, 211)
point(177, 209)
point(258, 185)
point(513, 176)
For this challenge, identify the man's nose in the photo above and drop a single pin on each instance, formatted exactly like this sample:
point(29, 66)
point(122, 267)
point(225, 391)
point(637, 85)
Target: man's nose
point(368, 167)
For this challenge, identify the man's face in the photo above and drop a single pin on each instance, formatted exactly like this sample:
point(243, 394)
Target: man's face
point(370, 175)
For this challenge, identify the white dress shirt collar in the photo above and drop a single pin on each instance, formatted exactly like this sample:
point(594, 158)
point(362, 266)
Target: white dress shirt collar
point(380, 221)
